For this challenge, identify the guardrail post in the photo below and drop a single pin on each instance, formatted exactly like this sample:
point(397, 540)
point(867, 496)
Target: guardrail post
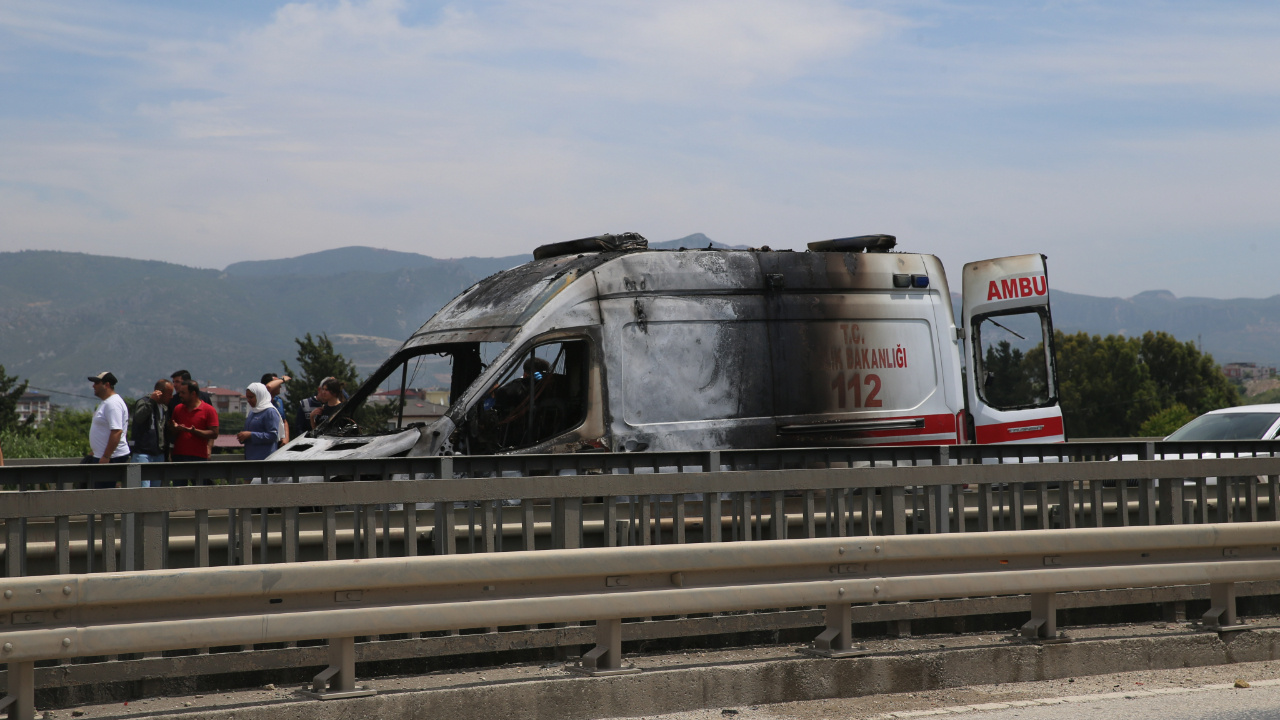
point(840, 510)
point(566, 523)
point(935, 512)
point(712, 510)
point(957, 518)
point(895, 511)
point(130, 554)
point(21, 700)
point(1147, 502)
point(339, 679)
point(15, 547)
point(409, 524)
point(778, 515)
point(1043, 515)
point(1043, 624)
point(442, 535)
point(1226, 500)
point(148, 544)
point(1067, 504)
point(837, 639)
point(1222, 607)
point(986, 516)
point(1170, 491)
point(1097, 504)
point(606, 657)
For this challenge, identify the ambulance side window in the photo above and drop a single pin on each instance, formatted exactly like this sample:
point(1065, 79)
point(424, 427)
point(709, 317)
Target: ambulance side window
point(1013, 371)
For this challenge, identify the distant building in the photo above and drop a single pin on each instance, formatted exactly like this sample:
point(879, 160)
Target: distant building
point(420, 411)
point(1248, 371)
point(421, 405)
point(226, 400)
point(33, 405)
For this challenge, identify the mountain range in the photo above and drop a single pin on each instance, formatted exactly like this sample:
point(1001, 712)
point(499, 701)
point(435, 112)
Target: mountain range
point(64, 316)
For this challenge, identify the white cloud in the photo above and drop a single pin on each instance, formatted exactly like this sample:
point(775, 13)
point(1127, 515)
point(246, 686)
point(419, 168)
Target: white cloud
point(488, 128)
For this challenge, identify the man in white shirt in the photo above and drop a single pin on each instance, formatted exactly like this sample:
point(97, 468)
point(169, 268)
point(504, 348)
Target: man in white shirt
point(106, 434)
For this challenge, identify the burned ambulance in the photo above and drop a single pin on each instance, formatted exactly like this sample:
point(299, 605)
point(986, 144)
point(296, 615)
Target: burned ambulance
point(603, 344)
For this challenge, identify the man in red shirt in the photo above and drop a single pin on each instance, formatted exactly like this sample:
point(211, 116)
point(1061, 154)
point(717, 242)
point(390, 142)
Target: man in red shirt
point(194, 424)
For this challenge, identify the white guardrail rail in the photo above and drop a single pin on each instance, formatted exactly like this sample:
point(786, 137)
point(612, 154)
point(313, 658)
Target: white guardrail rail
point(68, 616)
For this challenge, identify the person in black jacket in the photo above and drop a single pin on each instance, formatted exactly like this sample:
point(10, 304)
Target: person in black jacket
point(147, 427)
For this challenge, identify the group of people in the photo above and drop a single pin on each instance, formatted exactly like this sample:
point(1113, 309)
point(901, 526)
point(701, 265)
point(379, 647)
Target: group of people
point(178, 422)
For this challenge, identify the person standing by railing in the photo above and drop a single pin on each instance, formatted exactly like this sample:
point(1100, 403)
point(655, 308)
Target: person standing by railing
point(150, 419)
point(331, 395)
point(261, 434)
point(106, 434)
point(195, 424)
point(274, 384)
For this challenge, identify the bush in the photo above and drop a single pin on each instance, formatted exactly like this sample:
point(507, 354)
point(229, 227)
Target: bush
point(230, 423)
point(1166, 421)
point(64, 434)
point(17, 444)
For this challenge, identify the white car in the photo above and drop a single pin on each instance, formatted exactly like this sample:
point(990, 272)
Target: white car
point(1247, 422)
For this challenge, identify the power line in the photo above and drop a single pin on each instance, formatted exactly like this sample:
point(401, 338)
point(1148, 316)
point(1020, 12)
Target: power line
point(59, 392)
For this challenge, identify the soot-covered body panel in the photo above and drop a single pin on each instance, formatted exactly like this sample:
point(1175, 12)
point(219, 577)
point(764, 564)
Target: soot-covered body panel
point(691, 350)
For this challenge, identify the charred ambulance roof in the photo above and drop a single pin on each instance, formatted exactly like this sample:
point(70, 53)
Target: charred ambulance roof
point(494, 309)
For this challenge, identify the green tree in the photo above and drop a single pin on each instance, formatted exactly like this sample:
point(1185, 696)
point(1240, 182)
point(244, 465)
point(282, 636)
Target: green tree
point(317, 360)
point(1105, 389)
point(1008, 381)
point(1182, 375)
point(1112, 386)
point(10, 393)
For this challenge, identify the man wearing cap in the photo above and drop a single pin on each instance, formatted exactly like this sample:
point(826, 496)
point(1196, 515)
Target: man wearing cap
point(110, 418)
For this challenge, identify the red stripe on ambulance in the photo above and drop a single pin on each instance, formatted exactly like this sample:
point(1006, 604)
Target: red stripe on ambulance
point(1047, 427)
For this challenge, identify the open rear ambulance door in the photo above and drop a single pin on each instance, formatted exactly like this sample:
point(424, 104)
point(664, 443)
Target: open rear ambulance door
point(1012, 390)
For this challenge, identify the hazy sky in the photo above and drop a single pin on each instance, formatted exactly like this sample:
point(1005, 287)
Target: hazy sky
point(1136, 144)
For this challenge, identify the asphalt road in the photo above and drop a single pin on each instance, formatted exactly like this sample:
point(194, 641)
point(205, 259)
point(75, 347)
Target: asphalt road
point(1184, 694)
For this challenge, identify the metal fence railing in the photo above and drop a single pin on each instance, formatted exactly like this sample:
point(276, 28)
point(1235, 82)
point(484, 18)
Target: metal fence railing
point(412, 506)
point(72, 616)
point(59, 523)
point(75, 476)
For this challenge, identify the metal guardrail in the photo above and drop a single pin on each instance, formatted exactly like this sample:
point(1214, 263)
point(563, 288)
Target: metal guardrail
point(242, 472)
point(508, 503)
point(158, 527)
point(62, 617)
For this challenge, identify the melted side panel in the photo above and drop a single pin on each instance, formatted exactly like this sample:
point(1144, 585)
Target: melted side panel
point(697, 370)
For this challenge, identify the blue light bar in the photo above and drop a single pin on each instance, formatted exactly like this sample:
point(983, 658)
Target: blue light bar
point(920, 281)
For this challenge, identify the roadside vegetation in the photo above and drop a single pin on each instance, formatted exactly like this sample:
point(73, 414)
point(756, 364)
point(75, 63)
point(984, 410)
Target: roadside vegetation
point(1270, 396)
point(318, 360)
point(64, 434)
point(1118, 386)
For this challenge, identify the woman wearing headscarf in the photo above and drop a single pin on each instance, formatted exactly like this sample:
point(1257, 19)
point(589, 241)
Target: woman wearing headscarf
point(261, 434)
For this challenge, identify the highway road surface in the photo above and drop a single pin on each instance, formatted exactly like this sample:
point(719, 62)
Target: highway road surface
point(1215, 693)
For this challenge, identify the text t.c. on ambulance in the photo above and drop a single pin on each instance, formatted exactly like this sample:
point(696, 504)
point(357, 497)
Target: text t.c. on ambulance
point(603, 344)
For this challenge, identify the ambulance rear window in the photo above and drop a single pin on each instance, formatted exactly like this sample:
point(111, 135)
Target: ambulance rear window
point(1013, 371)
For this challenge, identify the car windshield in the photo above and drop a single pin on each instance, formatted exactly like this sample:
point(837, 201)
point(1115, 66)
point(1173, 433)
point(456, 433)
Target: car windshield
point(415, 386)
point(1227, 426)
